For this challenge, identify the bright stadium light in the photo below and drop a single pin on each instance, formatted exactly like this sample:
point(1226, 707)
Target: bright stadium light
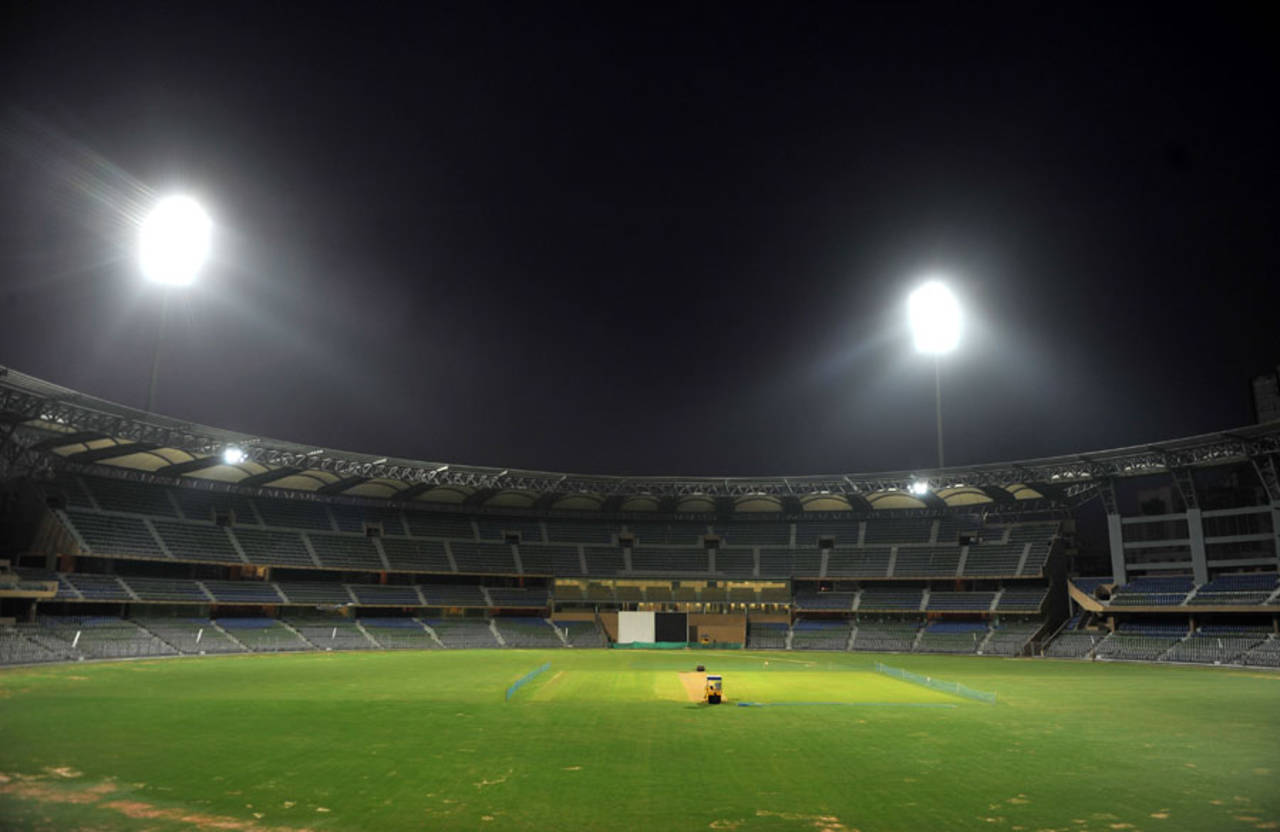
point(934, 315)
point(174, 241)
point(919, 488)
point(935, 318)
point(233, 456)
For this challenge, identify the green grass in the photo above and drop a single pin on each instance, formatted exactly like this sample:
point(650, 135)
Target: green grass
point(609, 740)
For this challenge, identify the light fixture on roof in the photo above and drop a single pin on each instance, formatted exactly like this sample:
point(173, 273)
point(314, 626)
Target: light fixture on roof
point(231, 455)
point(919, 488)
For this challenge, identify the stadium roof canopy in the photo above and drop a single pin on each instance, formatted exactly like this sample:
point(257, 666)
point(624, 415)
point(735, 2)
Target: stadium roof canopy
point(43, 425)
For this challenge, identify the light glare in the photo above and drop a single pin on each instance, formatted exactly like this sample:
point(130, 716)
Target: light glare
point(934, 314)
point(919, 488)
point(233, 456)
point(174, 241)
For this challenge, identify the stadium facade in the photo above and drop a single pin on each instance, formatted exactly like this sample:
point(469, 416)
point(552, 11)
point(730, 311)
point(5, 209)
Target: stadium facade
point(128, 533)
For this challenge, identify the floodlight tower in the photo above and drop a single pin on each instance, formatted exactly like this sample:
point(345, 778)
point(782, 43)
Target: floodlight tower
point(934, 315)
point(173, 246)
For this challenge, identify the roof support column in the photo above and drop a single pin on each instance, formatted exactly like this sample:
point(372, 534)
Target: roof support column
point(1114, 536)
point(1269, 474)
point(1186, 486)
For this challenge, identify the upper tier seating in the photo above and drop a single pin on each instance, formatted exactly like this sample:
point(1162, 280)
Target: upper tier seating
point(497, 528)
point(1002, 559)
point(1022, 600)
point(206, 505)
point(431, 524)
point(1169, 591)
point(669, 561)
point(735, 563)
point(763, 532)
point(838, 601)
point(274, 547)
point(881, 600)
point(358, 518)
point(483, 557)
point(965, 601)
point(406, 555)
point(131, 497)
point(197, 541)
point(663, 534)
point(108, 534)
point(568, 531)
point(872, 561)
point(335, 551)
point(1248, 588)
point(926, 561)
point(294, 514)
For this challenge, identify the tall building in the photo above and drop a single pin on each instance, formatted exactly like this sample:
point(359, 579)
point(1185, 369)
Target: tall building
point(1266, 396)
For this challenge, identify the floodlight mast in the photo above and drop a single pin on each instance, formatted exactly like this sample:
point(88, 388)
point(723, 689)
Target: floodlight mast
point(173, 245)
point(934, 315)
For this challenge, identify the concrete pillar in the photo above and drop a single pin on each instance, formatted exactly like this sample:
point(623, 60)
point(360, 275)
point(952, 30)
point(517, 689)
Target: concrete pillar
point(1199, 560)
point(1116, 540)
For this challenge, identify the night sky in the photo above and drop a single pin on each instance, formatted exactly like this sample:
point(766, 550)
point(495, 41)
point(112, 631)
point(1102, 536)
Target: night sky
point(652, 241)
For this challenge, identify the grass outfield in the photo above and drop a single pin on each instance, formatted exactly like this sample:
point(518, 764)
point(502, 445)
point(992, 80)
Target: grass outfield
point(609, 740)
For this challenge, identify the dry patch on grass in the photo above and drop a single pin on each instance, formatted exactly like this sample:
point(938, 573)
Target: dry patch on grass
point(823, 823)
point(53, 788)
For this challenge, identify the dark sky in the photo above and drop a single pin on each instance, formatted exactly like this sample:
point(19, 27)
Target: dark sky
point(651, 240)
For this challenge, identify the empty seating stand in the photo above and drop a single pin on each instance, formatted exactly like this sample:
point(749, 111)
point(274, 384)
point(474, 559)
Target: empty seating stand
point(1166, 592)
point(111, 534)
point(191, 636)
point(819, 635)
point(886, 636)
point(463, 633)
point(833, 601)
point(767, 635)
point(669, 561)
point(952, 637)
point(412, 555)
point(960, 601)
point(264, 635)
point(274, 547)
point(398, 633)
point(1243, 589)
point(527, 632)
point(198, 541)
point(872, 562)
point(379, 595)
point(926, 561)
point(888, 600)
point(131, 497)
point(347, 552)
point(582, 633)
point(494, 558)
point(331, 633)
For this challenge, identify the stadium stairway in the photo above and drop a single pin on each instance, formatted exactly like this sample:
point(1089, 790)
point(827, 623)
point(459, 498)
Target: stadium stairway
point(367, 635)
point(235, 640)
point(297, 633)
point(493, 628)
